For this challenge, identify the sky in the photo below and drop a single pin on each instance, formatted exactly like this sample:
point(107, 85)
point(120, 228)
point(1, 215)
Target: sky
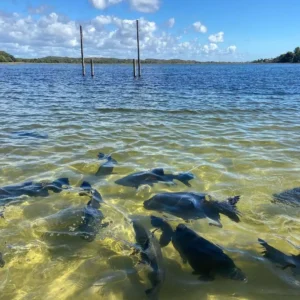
point(204, 30)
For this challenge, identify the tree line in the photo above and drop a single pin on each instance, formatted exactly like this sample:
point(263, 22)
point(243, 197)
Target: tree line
point(7, 58)
point(288, 57)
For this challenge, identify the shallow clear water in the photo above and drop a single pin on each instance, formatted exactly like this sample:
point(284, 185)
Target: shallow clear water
point(236, 127)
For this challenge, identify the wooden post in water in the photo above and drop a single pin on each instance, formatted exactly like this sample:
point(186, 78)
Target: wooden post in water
point(138, 47)
point(92, 68)
point(134, 68)
point(82, 59)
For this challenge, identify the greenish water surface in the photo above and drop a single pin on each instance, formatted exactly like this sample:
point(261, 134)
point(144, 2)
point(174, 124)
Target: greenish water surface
point(235, 127)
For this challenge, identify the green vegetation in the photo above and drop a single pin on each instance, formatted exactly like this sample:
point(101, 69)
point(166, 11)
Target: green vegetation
point(289, 57)
point(73, 60)
point(5, 57)
point(102, 60)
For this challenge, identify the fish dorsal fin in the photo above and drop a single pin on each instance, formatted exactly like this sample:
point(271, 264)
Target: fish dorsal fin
point(86, 186)
point(61, 181)
point(158, 171)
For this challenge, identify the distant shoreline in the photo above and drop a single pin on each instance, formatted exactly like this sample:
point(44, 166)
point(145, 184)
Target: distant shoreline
point(126, 63)
point(6, 58)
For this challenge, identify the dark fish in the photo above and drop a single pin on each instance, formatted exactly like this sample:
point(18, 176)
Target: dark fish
point(92, 215)
point(150, 254)
point(289, 197)
point(32, 134)
point(191, 206)
point(107, 167)
point(153, 176)
point(206, 259)
point(165, 227)
point(2, 262)
point(284, 261)
point(87, 189)
point(33, 189)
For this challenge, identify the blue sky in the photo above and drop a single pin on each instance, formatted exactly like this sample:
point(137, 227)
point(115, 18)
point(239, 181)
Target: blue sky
point(222, 30)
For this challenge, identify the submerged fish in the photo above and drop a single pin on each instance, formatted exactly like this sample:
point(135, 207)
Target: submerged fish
point(92, 215)
point(165, 227)
point(33, 189)
point(151, 254)
point(289, 197)
point(204, 257)
point(2, 262)
point(153, 176)
point(84, 222)
point(107, 167)
point(191, 206)
point(283, 260)
point(32, 134)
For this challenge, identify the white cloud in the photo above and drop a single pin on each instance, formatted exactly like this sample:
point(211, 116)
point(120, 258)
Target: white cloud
point(171, 22)
point(146, 6)
point(102, 20)
point(209, 48)
point(217, 38)
point(231, 49)
point(102, 4)
point(200, 27)
point(99, 4)
point(104, 35)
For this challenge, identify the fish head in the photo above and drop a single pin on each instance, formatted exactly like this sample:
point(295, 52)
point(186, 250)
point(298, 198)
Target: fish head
point(237, 274)
point(184, 235)
point(156, 221)
point(141, 234)
point(153, 204)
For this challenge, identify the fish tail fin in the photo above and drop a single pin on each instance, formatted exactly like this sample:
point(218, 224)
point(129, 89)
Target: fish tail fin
point(273, 254)
point(267, 248)
point(101, 155)
point(262, 242)
point(184, 178)
point(228, 208)
point(107, 156)
point(233, 200)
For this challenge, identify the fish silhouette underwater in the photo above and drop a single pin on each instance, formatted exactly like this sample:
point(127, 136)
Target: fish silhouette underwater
point(108, 166)
point(150, 253)
point(206, 259)
point(281, 259)
point(290, 197)
point(192, 206)
point(32, 189)
point(154, 176)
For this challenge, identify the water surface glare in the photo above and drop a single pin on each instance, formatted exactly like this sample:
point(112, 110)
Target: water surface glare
point(236, 127)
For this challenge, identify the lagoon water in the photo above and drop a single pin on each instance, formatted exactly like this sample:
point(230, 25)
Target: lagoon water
point(236, 127)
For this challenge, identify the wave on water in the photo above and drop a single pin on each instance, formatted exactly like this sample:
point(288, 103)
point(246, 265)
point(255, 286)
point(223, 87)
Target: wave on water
point(145, 110)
